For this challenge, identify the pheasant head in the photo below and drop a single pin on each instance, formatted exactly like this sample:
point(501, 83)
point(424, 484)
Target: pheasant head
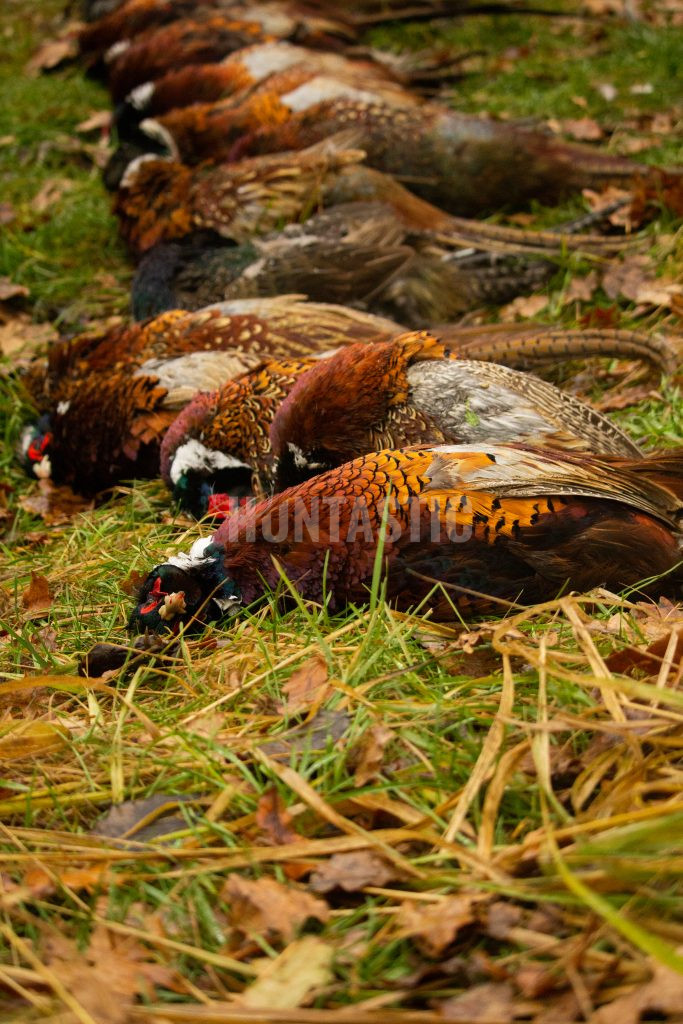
point(153, 201)
point(35, 447)
point(219, 445)
point(336, 409)
point(195, 466)
point(187, 590)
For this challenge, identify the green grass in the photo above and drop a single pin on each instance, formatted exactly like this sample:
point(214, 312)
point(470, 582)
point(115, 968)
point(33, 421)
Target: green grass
point(69, 255)
point(568, 761)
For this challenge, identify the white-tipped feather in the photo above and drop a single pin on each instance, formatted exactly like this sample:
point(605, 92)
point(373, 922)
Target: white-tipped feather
point(116, 49)
point(141, 95)
point(130, 174)
point(158, 133)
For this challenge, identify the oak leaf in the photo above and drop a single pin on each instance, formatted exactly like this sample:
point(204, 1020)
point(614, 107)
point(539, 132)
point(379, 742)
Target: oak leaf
point(434, 926)
point(369, 755)
point(266, 907)
point(353, 871)
point(661, 998)
point(50, 55)
point(274, 820)
point(307, 686)
point(37, 597)
point(523, 306)
point(491, 1001)
point(106, 978)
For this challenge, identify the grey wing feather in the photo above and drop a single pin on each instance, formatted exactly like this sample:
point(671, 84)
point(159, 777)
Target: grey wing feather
point(478, 403)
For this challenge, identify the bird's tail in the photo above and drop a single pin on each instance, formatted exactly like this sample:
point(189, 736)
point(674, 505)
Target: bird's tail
point(664, 468)
point(526, 347)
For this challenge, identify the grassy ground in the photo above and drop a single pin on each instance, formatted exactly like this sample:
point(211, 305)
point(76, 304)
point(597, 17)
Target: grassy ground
point(316, 811)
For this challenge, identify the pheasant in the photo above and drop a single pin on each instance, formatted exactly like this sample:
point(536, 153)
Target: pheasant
point(162, 200)
point(465, 164)
point(211, 131)
point(309, 23)
point(413, 390)
point(466, 530)
point(407, 389)
point(219, 444)
point(109, 397)
point(136, 18)
point(279, 66)
point(358, 253)
point(186, 41)
point(209, 35)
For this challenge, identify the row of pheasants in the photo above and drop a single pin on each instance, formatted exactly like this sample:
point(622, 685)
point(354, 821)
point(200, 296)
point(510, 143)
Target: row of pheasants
point(256, 159)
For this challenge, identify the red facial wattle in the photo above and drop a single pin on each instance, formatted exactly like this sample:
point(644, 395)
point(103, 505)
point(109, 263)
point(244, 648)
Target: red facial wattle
point(38, 447)
point(220, 506)
point(156, 595)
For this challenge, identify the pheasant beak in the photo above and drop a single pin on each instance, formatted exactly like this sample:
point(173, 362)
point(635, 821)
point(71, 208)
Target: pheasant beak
point(174, 604)
point(43, 469)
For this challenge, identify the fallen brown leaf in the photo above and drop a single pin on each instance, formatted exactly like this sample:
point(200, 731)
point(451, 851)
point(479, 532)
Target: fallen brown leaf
point(634, 279)
point(41, 883)
point(597, 201)
point(655, 620)
point(559, 1010)
point(488, 1002)
point(500, 918)
point(598, 316)
point(580, 289)
point(37, 597)
point(273, 819)
point(434, 926)
point(622, 398)
point(662, 123)
point(369, 754)
point(50, 192)
point(55, 505)
point(11, 290)
point(266, 907)
point(20, 335)
point(353, 871)
point(662, 995)
point(50, 55)
point(523, 306)
point(647, 659)
point(107, 977)
point(583, 128)
point(307, 686)
point(98, 120)
point(665, 189)
point(292, 977)
point(48, 637)
point(632, 145)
